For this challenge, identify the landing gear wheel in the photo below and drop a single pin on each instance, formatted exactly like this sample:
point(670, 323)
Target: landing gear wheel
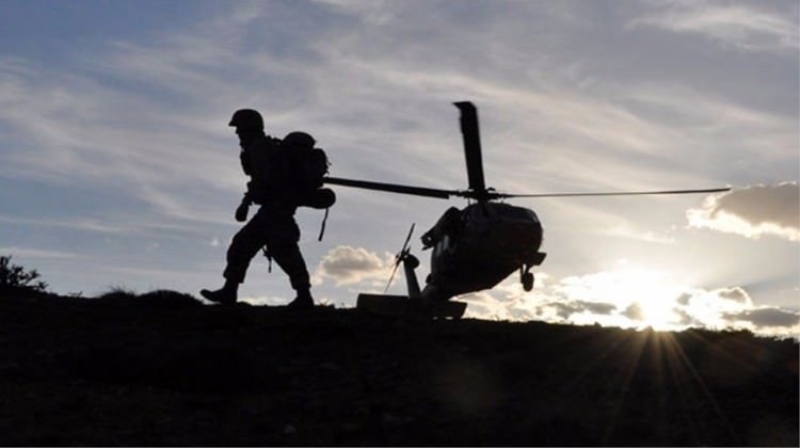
point(527, 281)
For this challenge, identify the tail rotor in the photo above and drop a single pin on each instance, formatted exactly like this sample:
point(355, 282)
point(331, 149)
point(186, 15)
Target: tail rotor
point(404, 252)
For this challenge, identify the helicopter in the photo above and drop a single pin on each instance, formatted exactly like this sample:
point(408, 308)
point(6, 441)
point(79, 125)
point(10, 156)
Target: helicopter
point(473, 248)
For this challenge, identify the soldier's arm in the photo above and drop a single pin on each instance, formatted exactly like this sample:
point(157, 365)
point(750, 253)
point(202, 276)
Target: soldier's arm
point(244, 159)
point(243, 208)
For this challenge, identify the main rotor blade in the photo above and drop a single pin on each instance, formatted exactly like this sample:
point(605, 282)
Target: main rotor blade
point(472, 145)
point(392, 188)
point(621, 193)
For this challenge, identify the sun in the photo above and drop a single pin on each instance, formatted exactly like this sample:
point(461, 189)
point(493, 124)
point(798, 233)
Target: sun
point(642, 297)
point(659, 314)
point(651, 296)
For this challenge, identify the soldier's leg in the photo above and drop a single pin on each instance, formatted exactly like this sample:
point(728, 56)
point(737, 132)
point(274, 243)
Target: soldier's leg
point(244, 246)
point(290, 260)
point(285, 251)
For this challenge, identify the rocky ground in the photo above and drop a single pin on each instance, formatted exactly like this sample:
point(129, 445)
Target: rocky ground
point(163, 369)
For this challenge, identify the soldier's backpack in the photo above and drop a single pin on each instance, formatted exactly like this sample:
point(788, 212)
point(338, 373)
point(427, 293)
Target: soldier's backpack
point(308, 165)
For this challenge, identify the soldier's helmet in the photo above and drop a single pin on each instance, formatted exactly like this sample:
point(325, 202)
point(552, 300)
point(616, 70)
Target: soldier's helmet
point(247, 118)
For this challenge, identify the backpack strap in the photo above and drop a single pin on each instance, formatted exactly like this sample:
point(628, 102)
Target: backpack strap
point(269, 258)
point(322, 227)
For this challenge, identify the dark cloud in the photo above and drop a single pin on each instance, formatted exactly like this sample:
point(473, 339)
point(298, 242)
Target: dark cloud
point(683, 299)
point(762, 204)
point(634, 312)
point(565, 310)
point(767, 317)
point(735, 294)
point(597, 308)
point(753, 211)
point(686, 319)
point(519, 314)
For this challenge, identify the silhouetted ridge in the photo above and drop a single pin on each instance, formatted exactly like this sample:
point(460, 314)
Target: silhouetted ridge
point(160, 369)
point(160, 297)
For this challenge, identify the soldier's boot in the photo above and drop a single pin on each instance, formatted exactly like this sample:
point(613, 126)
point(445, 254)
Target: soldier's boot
point(226, 295)
point(303, 301)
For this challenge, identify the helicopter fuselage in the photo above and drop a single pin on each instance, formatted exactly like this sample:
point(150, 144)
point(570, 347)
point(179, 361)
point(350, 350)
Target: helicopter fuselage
point(478, 247)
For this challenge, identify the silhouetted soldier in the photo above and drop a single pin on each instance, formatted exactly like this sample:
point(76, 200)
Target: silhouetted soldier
point(273, 225)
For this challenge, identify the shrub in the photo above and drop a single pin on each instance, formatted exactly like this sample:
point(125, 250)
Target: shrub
point(15, 276)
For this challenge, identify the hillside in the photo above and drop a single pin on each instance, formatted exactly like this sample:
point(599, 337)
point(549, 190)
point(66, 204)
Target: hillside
point(162, 369)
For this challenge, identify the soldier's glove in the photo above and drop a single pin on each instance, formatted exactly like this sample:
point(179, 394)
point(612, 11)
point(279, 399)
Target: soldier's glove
point(241, 211)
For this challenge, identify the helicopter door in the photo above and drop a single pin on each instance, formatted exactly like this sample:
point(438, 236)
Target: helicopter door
point(441, 251)
point(444, 259)
point(444, 245)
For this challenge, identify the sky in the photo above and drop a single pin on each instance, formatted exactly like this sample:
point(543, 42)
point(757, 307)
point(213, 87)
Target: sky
point(118, 169)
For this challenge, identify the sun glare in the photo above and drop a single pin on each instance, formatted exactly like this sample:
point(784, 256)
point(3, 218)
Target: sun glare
point(658, 314)
point(651, 297)
point(645, 298)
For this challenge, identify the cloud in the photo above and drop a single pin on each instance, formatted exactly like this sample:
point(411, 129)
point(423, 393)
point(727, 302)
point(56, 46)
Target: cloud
point(743, 26)
point(262, 300)
point(767, 317)
point(737, 295)
point(634, 311)
point(36, 253)
point(350, 265)
point(597, 308)
point(77, 132)
point(485, 305)
point(752, 211)
point(631, 298)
